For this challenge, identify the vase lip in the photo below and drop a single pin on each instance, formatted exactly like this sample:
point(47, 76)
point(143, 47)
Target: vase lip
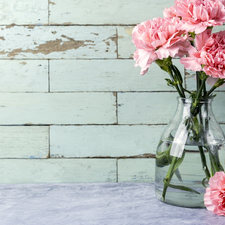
point(190, 100)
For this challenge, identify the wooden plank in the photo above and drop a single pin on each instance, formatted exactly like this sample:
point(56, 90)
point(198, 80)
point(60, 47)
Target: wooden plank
point(146, 108)
point(104, 75)
point(24, 12)
point(24, 142)
point(126, 48)
point(45, 42)
point(24, 75)
point(57, 170)
point(136, 170)
point(157, 108)
point(105, 12)
point(103, 141)
point(57, 108)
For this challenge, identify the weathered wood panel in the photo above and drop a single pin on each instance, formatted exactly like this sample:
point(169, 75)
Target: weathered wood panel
point(104, 75)
point(146, 108)
point(126, 48)
point(103, 141)
point(24, 142)
point(57, 108)
point(105, 12)
point(57, 170)
point(156, 108)
point(44, 42)
point(136, 170)
point(24, 12)
point(24, 76)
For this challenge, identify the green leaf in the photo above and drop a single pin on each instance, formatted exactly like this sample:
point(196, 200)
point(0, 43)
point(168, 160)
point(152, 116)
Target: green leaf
point(164, 158)
point(183, 188)
point(177, 173)
point(203, 182)
point(178, 162)
point(170, 83)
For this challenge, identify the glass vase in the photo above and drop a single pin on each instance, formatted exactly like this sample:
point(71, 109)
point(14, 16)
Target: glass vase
point(190, 151)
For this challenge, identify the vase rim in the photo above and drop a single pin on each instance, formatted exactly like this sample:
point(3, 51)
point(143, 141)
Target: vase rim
point(190, 100)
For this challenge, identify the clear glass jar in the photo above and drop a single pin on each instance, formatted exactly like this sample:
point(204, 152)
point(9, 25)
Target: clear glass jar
point(190, 151)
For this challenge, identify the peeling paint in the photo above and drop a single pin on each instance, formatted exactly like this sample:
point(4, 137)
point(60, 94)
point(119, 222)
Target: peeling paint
point(28, 124)
point(107, 43)
point(120, 37)
point(30, 27)
point(189, 74)
point(57, 45)
point(10, 25)
point(23, 63)
point(52, 3)
point(57, 41)
point(113, 39)
point(129, 30)
point(2, 38)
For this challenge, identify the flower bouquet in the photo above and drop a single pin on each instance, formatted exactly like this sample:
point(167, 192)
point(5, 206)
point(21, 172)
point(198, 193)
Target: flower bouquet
point(190, 153)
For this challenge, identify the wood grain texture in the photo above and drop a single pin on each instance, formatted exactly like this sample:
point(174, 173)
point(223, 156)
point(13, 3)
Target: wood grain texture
point(24, 12)
point(157, 108)
point(24, 142)
point(146, 108)
point(57, 170)
point(104, 75)
point(57, 108)
point(105, 12)
point(44, 42)
point(136, 170)
point(24, 76)
point(103, 141)
point(126, 48)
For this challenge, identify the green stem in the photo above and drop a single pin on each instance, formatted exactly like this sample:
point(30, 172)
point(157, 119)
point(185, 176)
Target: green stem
point(189, 92)
point(204, 164)
point(216, 85)
point(168, 177)
point(199, 92)
point(177, 79)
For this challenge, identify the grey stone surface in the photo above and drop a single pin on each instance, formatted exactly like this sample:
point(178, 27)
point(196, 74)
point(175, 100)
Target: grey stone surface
point(94, 204)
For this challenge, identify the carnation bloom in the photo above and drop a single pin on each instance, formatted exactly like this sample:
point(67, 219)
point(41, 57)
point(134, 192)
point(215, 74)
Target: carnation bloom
point(197, 15)
point(214, 197)
point(157, 39)
point(209, 55)
point(170, 12)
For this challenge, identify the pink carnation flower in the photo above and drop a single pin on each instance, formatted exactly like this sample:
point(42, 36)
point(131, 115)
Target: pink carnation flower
point(157, 39)
point(214, 197)
point(197, 15)
point(210, 54)
point(170, 12)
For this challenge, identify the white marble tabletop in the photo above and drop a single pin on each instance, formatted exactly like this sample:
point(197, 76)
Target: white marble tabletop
point(94, 204)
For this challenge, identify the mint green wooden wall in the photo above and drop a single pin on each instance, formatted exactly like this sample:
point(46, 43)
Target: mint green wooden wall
point(73, 108)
